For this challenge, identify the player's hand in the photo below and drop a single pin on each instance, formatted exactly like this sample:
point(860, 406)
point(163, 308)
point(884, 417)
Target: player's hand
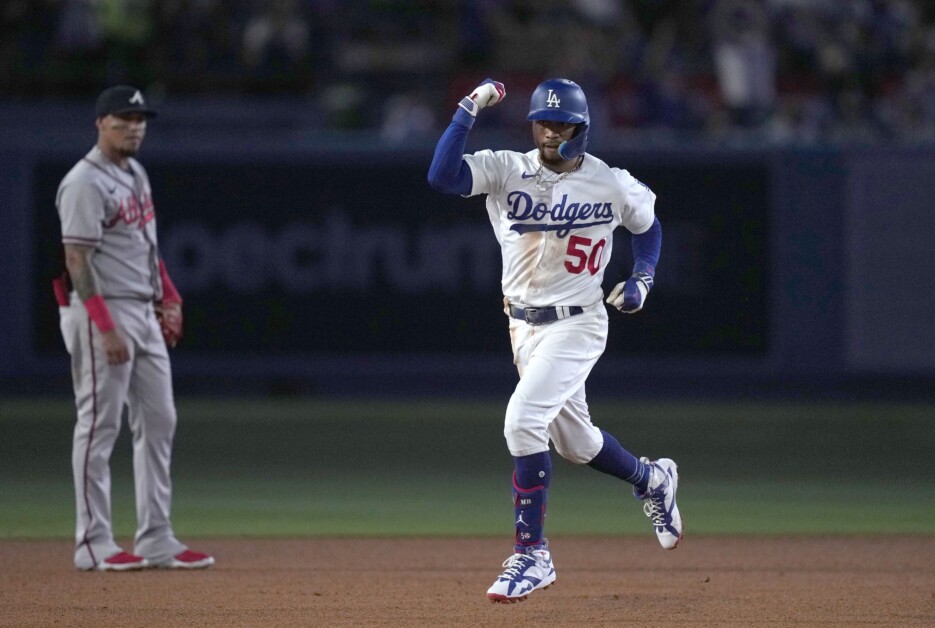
point(169, 315)
point(628, 296)
point(487, 94)
point(115, 347)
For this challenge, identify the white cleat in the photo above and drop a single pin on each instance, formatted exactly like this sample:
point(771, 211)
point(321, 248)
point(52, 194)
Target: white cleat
point(524, 574)
point(659, 501)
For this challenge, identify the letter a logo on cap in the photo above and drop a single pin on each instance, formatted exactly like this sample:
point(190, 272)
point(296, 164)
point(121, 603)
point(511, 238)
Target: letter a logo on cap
point(137, 98)
point(553, 100)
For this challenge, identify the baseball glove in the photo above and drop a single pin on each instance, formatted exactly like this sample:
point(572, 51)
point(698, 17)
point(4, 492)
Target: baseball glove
point(170, 321)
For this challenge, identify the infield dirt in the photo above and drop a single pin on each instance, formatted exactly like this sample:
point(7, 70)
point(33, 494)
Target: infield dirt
point(707, 581)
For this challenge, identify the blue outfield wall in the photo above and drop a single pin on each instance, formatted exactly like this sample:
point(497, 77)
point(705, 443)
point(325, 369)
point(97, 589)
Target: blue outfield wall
point(325, 268)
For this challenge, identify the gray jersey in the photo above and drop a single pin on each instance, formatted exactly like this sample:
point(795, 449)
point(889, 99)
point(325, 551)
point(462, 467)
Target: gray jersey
point(111, 209)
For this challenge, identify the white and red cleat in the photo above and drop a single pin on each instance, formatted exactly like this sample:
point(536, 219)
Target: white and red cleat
point(121, 561)
point(188, 560)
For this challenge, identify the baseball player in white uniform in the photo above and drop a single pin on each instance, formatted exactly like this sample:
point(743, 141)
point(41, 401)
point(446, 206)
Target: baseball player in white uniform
point(119, 310)
point(553, 210)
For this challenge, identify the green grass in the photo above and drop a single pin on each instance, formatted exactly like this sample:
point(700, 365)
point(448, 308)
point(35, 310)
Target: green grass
point(256, 508)
point(326, 467)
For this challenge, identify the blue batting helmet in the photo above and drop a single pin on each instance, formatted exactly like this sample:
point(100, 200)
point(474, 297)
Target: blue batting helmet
point(562, 100)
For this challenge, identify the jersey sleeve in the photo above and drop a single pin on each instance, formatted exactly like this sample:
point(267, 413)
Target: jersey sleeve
point(487, 169)
point(81, 209)
point(448, 173)
point(639, 208)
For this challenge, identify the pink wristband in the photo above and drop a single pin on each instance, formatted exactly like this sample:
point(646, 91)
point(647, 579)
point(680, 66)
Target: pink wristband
point(99, 313)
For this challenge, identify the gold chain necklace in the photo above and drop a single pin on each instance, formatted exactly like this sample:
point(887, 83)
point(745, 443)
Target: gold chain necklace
point(544, 184)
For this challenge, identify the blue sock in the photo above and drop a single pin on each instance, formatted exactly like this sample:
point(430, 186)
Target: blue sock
point(614, 460)
point(531, 478)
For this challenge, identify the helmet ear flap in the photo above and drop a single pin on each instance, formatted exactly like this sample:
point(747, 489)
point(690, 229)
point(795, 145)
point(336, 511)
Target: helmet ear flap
point(562, 100)
point(576, 145)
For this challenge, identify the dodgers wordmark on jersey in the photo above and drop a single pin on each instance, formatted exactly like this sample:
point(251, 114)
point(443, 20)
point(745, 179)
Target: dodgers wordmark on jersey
point(556, 238)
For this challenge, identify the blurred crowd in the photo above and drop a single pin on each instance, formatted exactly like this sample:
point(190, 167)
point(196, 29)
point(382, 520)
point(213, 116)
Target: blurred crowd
point(784, 70)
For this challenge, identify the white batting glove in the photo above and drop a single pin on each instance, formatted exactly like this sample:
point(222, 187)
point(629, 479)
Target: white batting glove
point(487, 94)
point(628, 296)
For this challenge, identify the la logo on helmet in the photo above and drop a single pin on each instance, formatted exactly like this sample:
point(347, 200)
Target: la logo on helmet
point(553, 100)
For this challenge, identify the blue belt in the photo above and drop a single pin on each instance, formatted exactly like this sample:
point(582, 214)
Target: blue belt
point(543, 315)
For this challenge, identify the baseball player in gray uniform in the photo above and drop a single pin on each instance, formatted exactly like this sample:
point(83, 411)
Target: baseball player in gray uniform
point(553, 210)
point(119, 310)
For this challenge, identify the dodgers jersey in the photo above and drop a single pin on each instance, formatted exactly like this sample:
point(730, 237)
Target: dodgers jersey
point(555, 243)
point(111, 209)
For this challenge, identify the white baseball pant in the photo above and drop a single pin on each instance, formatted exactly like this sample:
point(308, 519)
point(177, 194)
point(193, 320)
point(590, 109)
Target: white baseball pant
point(554, 361)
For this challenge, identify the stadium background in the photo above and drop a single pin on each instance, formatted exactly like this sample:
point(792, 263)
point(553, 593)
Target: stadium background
point(343, 319)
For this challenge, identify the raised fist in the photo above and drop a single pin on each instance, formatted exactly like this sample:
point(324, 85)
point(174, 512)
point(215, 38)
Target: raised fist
point(487, 94)
point(628, 296)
